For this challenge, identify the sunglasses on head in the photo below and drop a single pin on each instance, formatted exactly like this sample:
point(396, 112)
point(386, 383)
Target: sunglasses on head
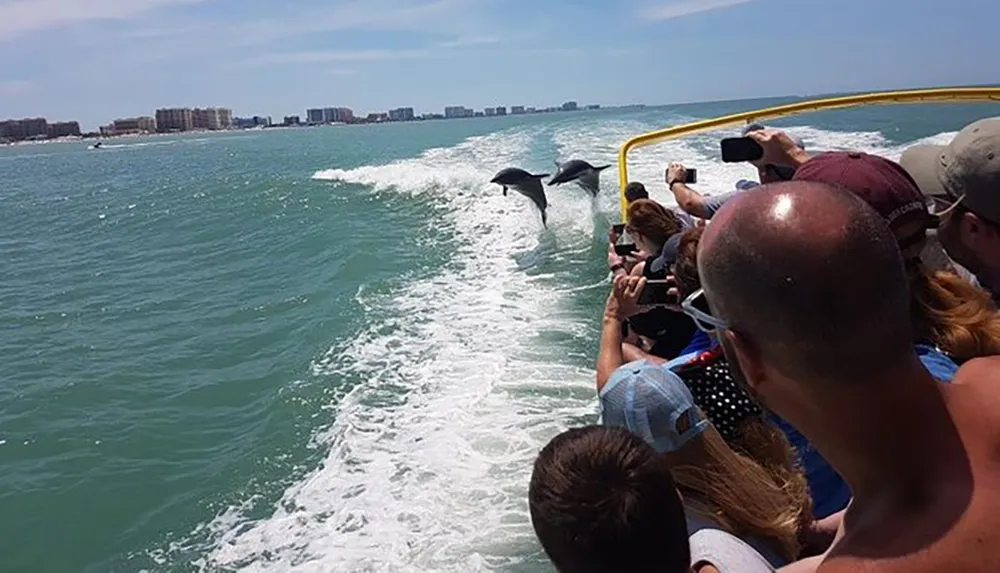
point(703, 320)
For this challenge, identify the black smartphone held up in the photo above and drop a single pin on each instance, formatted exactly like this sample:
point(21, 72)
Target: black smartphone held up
point(618, 228)
point(625, 250)
point(691, 177)
point(740, 149)
point(657, 292)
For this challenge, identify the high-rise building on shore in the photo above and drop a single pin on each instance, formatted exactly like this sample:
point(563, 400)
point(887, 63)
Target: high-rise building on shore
point(213, 118)
point(128, 125)
point(291, 120)
point(314, 116)
point(517, 110)
point(64, 129)
point(251, 122)
point(458, 111)
point(501, 110)
point(22, 129)
point(401, 114)
point(174, 119)
point(317, 116)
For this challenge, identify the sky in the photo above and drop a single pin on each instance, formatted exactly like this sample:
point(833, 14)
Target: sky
point(95, 60)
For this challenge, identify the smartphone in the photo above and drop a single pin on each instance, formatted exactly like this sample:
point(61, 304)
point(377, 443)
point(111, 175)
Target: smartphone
point(692, 176)
point(657, 292)
point(740, 149)
point(618, 228)
point(625, 249)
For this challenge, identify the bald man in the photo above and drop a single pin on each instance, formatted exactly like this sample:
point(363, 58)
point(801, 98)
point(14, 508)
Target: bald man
point(809, 296)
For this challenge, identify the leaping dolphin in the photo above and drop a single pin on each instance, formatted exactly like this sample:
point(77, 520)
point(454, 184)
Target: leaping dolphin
point(526, 184)
point(586, 175)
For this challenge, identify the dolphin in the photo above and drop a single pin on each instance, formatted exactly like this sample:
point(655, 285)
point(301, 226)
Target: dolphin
point(586, 175)
point(526, 184)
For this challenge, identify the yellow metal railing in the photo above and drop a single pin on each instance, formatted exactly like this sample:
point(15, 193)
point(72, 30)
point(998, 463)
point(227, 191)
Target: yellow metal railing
point(952, 95)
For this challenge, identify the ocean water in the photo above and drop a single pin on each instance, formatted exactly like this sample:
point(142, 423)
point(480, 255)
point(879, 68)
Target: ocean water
point(329, 349)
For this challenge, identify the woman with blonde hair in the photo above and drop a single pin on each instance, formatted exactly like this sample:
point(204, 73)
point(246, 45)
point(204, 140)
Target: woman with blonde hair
point(772, 442)
point(721, 489)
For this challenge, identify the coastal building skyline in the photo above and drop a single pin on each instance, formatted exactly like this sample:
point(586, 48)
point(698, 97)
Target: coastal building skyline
point(181, 119)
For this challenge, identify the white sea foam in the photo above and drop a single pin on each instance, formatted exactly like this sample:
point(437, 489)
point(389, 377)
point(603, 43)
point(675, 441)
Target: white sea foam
point(428, 458)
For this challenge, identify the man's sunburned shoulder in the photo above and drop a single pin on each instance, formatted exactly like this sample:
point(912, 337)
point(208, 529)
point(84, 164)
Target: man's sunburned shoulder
point(980, 371)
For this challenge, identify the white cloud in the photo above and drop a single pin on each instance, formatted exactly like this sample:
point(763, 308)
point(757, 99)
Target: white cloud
point(466, 41)
point(338, 56)
point(20, 17)
point(686, 8)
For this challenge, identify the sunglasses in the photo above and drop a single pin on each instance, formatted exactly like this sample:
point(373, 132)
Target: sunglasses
point(703, 320)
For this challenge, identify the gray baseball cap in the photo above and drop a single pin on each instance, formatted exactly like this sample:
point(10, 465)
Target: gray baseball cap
point(966, 171)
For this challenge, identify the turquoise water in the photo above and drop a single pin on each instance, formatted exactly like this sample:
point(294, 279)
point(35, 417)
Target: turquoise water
point(329, 349)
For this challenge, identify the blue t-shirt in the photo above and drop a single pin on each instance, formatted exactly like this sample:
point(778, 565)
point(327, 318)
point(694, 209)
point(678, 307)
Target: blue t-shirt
point(829, 491)
point(942, 368)
point(700, 342)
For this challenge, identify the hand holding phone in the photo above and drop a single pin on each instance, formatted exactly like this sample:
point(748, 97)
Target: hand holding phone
point(625, 250)
point(658, 292)
point(741, 149)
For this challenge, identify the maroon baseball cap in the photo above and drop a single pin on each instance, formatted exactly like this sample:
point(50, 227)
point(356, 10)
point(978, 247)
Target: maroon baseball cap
point(882, 183)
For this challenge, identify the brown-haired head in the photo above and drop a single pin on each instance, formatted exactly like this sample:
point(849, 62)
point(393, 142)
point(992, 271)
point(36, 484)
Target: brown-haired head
point(686, 265)
point(653, 221)
point(602, 500)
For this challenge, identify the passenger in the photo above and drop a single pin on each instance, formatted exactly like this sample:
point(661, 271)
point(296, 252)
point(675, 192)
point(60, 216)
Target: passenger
point(779, 148)
point(962, 182)
point(656, 230)
point(810, 296)
point(755, 436)
point(705, 207)
point(635, 191)
point(721, 489)
point(955, 321)
point(602, 501)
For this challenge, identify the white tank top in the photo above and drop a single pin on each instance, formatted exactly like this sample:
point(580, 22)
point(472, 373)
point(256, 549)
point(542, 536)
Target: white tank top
point(726, 552)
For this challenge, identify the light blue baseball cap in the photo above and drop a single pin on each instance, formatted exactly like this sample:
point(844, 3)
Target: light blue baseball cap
point(653, 403)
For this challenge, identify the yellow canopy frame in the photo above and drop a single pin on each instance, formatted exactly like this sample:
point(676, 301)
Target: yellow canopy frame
point(937, 95)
